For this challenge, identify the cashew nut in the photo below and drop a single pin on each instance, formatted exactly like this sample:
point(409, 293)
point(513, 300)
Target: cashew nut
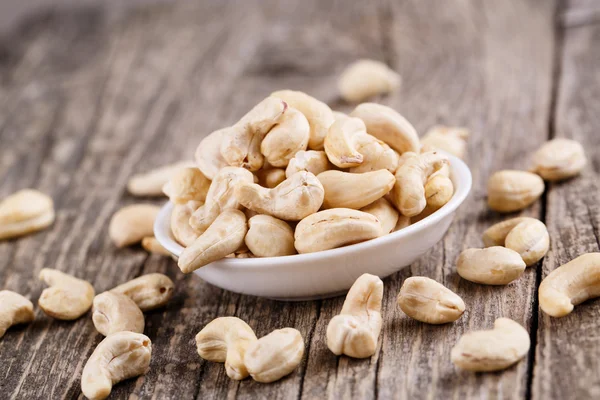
point(409, 195)
point(450, 139)
point(389, 126)
point(376, 155)
point(319, 115)
point(355, 331)
point(346, 190)
point(24, 212)
point(132, 223)
point(152, 245)
point(511, 190)
point(208, 154)
point(286, 138)
point(312, 161)
point(335, 227)
point(428, 301)
point(492, 350)
point(403, 222)
point(293, 199)
point(224, 236)
point(490, 266)
point(119, 356)
point(67, 298)
point(340, 141)
point(384, 212)
point(438, 191)
point(275, 355)
point(337, 115)
point(220, 197)
point(559, 159)
point(151, 183)
point(270, 178)
point(115, 312)
point(180, 222)
point(148, 291)
point(570, 285)
point(495, 235)
point(241, 143)
point(269, 237)
point(14, 309)
point(530, 239)
point(366, 78)
point(226, 339)
point(187, 184)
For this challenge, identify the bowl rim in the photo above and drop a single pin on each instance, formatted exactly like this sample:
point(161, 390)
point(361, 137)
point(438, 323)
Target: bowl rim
point(460, 175)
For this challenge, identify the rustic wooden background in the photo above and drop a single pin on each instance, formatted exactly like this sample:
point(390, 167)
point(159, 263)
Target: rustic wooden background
point(89, 96)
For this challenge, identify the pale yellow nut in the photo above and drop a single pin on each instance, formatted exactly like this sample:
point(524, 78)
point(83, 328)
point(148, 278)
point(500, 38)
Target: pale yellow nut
point(495, 235)
point(490, 266)
point(286, 138)
point(24, 212)
point(151, 183)
point(340, 142)
point(530, 239)
point(428, 301)
point(492, 350)
point(438, 191)
point(226, 340)
point(559, 159)
point(148, 291)
point(132, 223)
point(14, 309)
point(355, 331)
point(208, 154)
point(153, 246)
point(384, 212)
point(319, 115)
point(114, 312)
point(67, 298)
point(450, 139)
point(570, 284)
point(224, 236)
point(187, 184)
point(511, 190)
point(334, 228)
point(346, 190)
point(220, 197)
point(403, 222)
point(376, 155)
point(270, 178)
point(312, 161)
point(120, 356)
point(389, 126)
point(293, 199)
point(275, 355)
point(338, 115)
point(367, 78)
point(269, 237)
point(182, 231)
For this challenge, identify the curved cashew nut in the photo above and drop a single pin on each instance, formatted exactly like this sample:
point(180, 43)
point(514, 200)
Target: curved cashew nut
point(119, 356)
point(530, 239)
point(286, 138)
point(153, 246)
point(208, 154)
point(384, 212)
point(132, 223)
point(389, 126)
point(355, 331)
point(187, 184)
point(429, 301)
point(270, 178)
point(450, 139)
point(14, 309)
point(312, 161)
point(151, 183)
point(25, 211)
point(67, 298)
point(366, 78)
point(346, 190)
point(180, 222)
point(220, 197)
point(495, 235)
point(376, 155)
point(293, 199)
point(224, 236)
point(241, 145)
point(409, 191)
point(511, 190)
point(490, 266)
point(559, 159)
point(570, 285)
point(269, 237)
point(492, 350)
point(226, 339)
point(333, 228)
point(340, 142)
point(115, 312)
point(438, 191)
point(148, 291)
point(275, 355)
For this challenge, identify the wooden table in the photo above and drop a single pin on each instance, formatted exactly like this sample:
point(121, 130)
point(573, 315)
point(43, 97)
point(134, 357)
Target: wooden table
point(90, 96)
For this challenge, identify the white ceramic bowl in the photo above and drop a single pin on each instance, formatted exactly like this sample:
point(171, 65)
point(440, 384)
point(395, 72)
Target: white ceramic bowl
point(331, 272)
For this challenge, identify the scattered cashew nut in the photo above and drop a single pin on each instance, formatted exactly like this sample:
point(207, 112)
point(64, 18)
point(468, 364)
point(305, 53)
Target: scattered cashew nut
point(385, 213)
point(153, 246)
point(313, 161)
point(275, 355)
point(115, 312)
point(14, 309)
point(490, 266)
point(366, 78)
point(511, 190)
point(495, 235)
point(269, 237)
point(559, 159)
point(67, 298)
point(530, 239)
point(347, 190)
point(450, 139)
point(132, 223)
point(24, 212)
point(208, 154)
point(286, 138)
point(151, 183)
point(148, 291)
point(428, 301)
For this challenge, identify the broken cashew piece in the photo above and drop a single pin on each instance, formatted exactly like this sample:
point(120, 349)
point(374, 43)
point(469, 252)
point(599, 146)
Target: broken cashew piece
point(511, 190)
point(492, 350)
point(132, 223)
point(224, 236)
point(312, 161)
point(366, 78)
point(530, 239)
point(187, 184)
point(208, 154)
point(275, 355)
point(151, 183)
point(14, 309)
point(559, 159)
point(67, 298)
point(495, 235)
point(226, 339)
point(428, 301)
point(153, 246)
point(24, 212)
point(269, 237)
point(182, 231)
point(490, 266)
point(340, 145)
point(293, 199)
point(270, 178)
point(450, 139)
point(119, 356)
point(148, 291)
point(115, 312)
point(355, 331)
point(286, 138)
point(384, 212)
point(570, 284)
point(347, 190)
